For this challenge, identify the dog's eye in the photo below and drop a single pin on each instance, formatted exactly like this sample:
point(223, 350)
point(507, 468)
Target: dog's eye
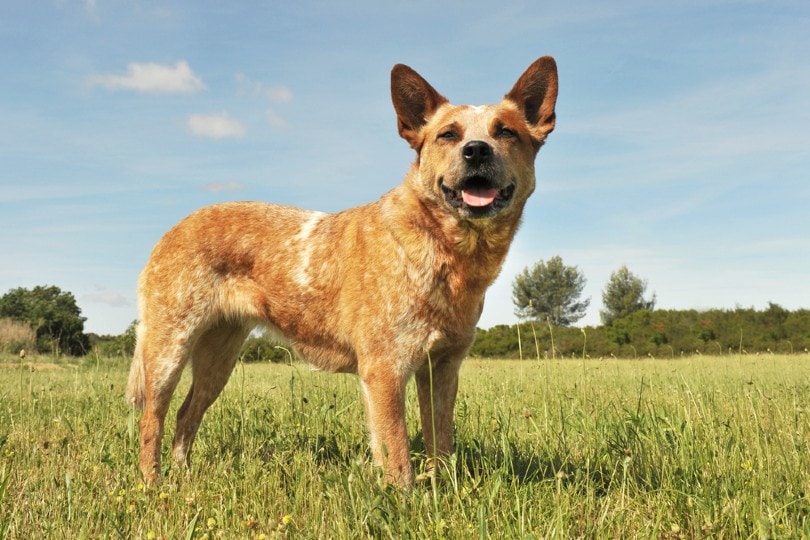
point(505, 133)
point(448, 135)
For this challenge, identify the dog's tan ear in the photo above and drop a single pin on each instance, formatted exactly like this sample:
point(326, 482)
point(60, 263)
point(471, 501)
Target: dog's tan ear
point(535, 93)
point(415, 101)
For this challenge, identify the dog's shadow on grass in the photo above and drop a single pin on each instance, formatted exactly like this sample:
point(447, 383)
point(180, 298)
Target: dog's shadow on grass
point(479, 460)
point(474, 460)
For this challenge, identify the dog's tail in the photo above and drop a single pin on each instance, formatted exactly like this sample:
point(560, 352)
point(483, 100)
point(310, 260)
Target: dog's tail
point(136, 386)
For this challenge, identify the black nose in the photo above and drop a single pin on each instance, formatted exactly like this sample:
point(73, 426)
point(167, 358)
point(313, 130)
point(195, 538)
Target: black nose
point(476, 152)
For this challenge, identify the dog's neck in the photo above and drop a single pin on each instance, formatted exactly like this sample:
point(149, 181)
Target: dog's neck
point(469, 253)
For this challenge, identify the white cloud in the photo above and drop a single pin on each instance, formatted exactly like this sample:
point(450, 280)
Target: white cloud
point(721, 123)
point(153, 79)
point(110, 298)
point(275, 120)
point(275, 94)
point(215, 126)
point(278, 94)
point(219, 187)
point(90, 10)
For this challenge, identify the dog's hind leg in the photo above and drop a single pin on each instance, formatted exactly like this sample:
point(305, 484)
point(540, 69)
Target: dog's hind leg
point(162, 367)
point(212, 362)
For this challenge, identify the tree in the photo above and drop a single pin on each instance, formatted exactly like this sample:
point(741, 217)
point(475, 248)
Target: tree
point(53, 314)
point(550, 291)
point(624, 295)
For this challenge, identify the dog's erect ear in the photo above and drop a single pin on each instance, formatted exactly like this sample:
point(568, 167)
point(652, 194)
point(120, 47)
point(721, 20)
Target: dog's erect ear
point(415, 102)
point(535, 93)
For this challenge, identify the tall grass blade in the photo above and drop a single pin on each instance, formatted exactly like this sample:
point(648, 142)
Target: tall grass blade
point(192, 526)
point(5, 524)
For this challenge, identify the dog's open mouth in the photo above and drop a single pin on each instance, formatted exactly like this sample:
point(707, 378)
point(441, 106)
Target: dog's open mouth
point(476, 196)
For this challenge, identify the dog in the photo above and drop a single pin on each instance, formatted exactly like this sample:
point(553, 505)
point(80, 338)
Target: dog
point(388, 290)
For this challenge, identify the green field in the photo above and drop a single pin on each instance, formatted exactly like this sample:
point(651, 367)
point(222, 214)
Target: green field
point(699, 447)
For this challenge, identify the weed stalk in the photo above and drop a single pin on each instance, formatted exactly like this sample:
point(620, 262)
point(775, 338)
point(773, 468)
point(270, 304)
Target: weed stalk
point(433, 435)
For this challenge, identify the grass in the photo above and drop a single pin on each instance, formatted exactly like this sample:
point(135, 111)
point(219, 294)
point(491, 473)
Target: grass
point(701, 447)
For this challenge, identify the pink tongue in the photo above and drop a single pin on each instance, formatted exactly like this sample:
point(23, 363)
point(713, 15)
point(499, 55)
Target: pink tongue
point(479, 196)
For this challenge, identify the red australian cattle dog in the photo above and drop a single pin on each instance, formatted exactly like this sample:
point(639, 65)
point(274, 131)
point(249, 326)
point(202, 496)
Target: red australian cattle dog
point(386, 290)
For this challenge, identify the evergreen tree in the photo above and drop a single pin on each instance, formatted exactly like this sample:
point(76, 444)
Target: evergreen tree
point(624, 295)
point(550, 291)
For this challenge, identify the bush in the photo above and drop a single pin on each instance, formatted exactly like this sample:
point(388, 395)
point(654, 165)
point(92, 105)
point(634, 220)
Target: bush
point(264, 349)
point(116, 346)
point(16, 336)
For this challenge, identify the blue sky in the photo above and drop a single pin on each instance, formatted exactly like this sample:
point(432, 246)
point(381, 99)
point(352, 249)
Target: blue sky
point(682, 147)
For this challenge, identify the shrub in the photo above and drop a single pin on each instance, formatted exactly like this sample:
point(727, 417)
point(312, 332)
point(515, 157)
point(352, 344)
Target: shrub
point(264, 349)
point(15, 336)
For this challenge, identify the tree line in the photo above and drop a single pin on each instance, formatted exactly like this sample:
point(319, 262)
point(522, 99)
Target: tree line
point(657, 334)
point(47, 320)
point(547, 297)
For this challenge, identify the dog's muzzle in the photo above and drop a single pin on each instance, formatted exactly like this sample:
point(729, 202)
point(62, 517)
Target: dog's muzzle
point(478, 195)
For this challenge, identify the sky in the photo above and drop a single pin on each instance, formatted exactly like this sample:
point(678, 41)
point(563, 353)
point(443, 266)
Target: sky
point(682, 146)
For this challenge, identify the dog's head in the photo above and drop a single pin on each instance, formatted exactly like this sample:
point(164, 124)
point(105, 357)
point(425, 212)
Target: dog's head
point(476, 162)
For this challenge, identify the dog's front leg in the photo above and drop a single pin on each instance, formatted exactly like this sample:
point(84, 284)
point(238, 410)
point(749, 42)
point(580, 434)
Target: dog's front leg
point(384, 399)
point(436, 406)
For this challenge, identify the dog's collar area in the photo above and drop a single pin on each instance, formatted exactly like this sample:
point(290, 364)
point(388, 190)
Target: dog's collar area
point(477, 197)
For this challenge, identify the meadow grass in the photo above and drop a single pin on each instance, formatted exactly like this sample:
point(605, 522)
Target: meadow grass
point(698, 447)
